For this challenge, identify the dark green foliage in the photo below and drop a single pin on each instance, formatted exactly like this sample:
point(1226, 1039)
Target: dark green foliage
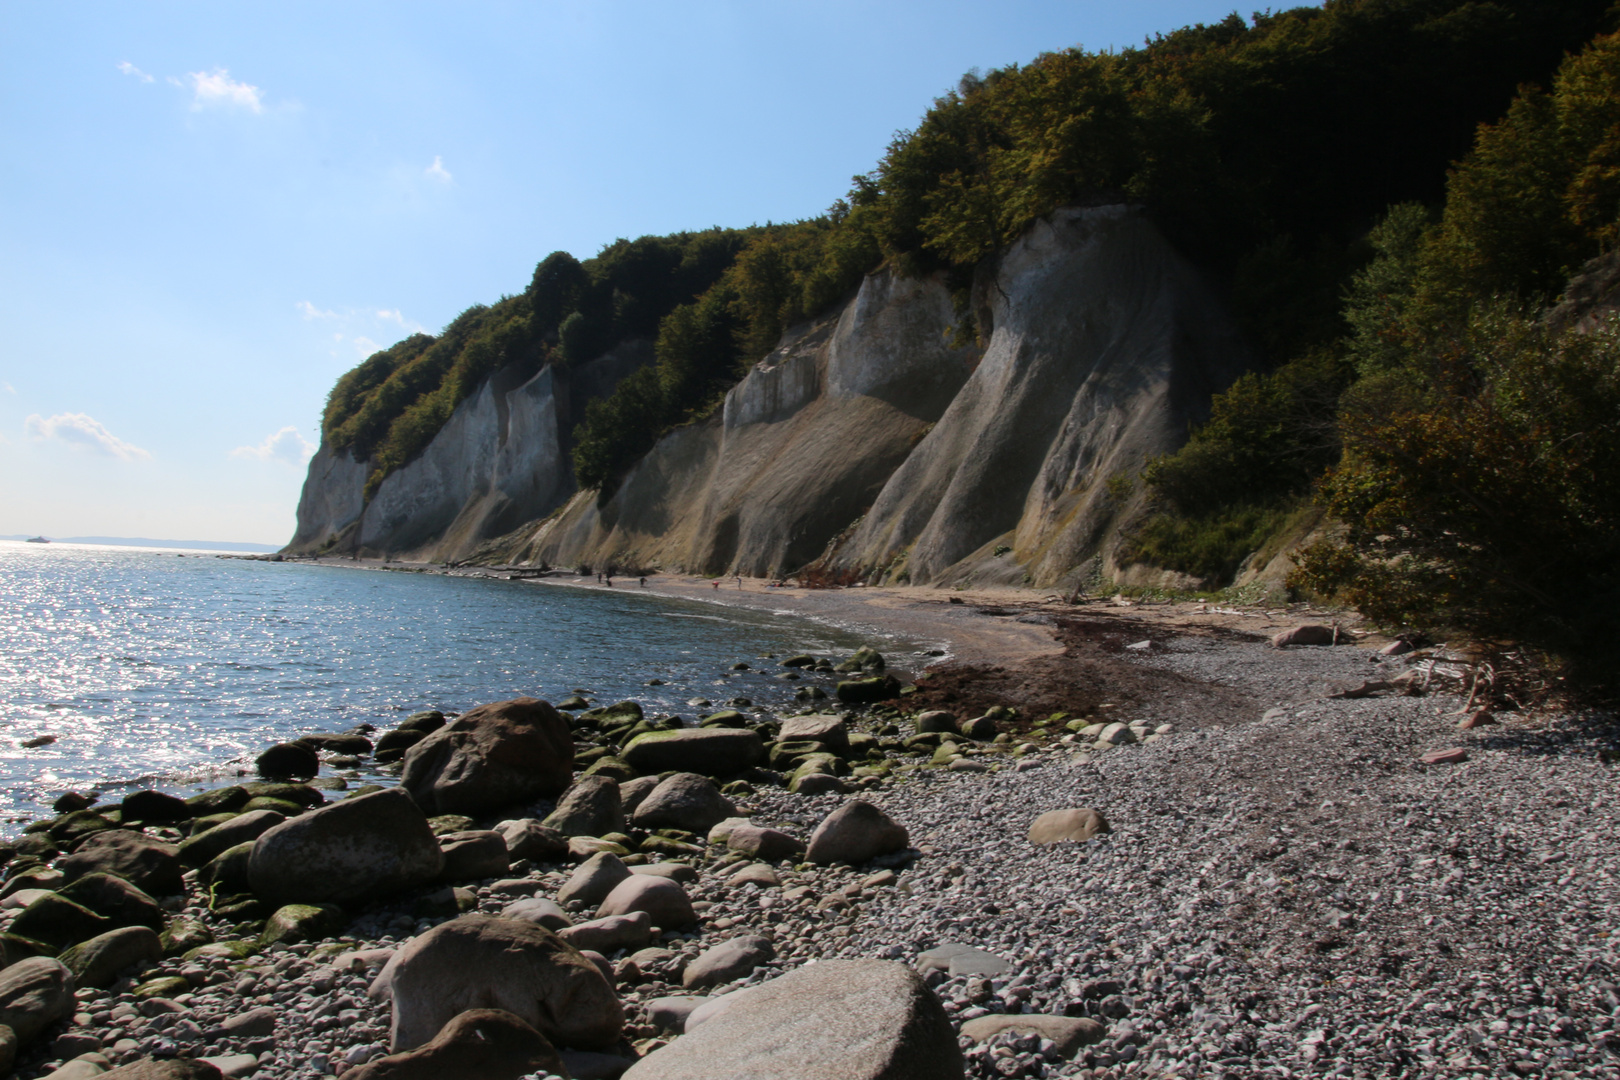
point(1489, 500)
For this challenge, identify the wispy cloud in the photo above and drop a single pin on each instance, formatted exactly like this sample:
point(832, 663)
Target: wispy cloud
point(130, 69)
point(364, 346)
point(218, 88)
point(437, 171)
point(401, 321)
point(285, 446)
point(77, 429)
point(7, 388)
point(310, 311)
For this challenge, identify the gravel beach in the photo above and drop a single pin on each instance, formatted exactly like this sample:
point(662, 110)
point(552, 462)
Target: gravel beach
point(1282, 886)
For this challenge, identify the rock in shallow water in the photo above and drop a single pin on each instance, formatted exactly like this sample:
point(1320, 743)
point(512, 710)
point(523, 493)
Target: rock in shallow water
point(834, 1020)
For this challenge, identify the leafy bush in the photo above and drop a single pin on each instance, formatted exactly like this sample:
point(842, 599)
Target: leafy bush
point(1488, 500)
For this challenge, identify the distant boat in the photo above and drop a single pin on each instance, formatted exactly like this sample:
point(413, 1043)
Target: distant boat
point(38, 540)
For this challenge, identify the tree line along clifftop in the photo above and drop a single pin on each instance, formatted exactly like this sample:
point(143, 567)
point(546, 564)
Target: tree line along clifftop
point(1387, 192)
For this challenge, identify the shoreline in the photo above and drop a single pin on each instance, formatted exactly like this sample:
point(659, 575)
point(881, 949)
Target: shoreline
point(1290, 882)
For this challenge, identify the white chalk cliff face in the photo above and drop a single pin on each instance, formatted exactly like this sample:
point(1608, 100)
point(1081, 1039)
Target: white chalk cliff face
point(500, 460)
point(866, 442)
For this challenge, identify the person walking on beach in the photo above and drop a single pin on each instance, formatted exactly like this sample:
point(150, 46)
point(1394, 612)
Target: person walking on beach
point(715, 583)
point(644, 581)
point(739, 581)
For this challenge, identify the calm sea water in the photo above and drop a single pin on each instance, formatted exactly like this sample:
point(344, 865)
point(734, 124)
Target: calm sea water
point(156, 670)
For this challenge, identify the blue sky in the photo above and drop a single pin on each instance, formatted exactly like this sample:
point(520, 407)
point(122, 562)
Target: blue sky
point(210, 211)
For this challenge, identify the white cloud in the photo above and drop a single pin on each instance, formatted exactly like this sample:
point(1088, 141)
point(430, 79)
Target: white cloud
point(130, 69)
point(310, 311)
point(285, 445)
point(81, 430)
point(218, 88)
point(8, 388)
point(437, 171)
point(365, 346)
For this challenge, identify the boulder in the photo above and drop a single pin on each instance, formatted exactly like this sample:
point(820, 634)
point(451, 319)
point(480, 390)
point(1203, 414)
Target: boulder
point(336, 743)
point(757, 873)
point(660, 898)
point(728, 961)
point(285, 760)
point(1071, 1033)
point(670, 1013)
point(164, 1069)
point(480, 961)
point(363, 847)
point(538, 909)
point(683, 801)
point(867, 691)
point(203, 848)
point(223, 800)
point(526, 838)
point(632, 792)
point(855, 833)
point(469, 856)
point(227, 874)
point(427, 722)
point(297, 794)
point(827, 729)
point(1308, 634)
point(590, 808)
point(295, 923)
point(632, 931)
point(1078, 824)
point(489, 1044)
point(981, 729)
point(761, 843)
point(393, 745)
point(149, 865)
point(495, 756)
point(833, 1020)
point(154, 808)
point(34, 994)
point(115, 899)
point(707, 751)
point(685, 873)
point(98, 961)
point(58, 922)
point(936, 720)
point(593, 879)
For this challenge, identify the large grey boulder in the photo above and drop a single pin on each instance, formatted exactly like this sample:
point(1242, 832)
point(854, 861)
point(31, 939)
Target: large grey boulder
point(115, 899)
point(684, 801)
point(504, 754)
point(362, 847)
point(489, 1044)
point(150, 865)
point(822, 728)
point(34, 994)
point(834, 1020)
point(593, 879)
point(727, 961)
point(164, 1069)
point(206, 846)
point(707, 751)
point(770, 845)
point(474, 854)
point(660, 898)
point(855, 833)
point(98, 961)
point(484, 962)
point(590, 808)
point(526, 838)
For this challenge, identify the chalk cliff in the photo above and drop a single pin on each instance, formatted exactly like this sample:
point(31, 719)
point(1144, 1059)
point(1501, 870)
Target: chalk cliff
point(501, 460)
point(866, 442)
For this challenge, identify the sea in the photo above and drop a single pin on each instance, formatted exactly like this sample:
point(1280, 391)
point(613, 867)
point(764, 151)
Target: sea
point(170, 670)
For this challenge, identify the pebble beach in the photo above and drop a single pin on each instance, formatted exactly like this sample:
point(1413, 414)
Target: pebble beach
point(1275, 862)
